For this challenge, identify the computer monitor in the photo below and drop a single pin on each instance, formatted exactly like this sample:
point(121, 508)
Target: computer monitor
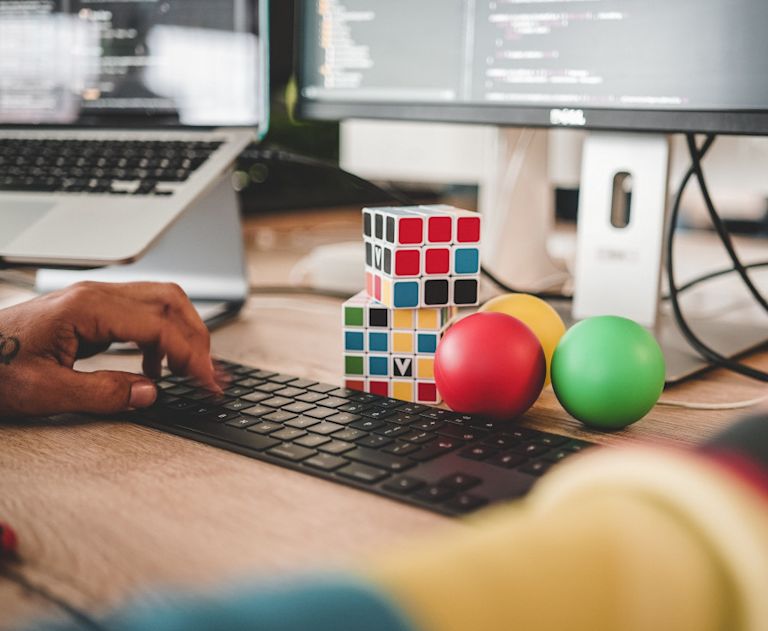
point(613, 67)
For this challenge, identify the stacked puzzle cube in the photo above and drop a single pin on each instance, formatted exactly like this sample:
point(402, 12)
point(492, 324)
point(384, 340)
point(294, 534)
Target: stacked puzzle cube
point(422, 262)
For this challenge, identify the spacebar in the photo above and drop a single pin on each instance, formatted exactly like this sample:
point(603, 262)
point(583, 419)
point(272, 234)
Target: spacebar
point(229, 434)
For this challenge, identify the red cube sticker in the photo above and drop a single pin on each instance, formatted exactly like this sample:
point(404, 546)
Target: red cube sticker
point(354, 384)
point(369, 283)
point(427, 392)
point(407, 263)
point(468, 230)
point(440, 229)
point(377, 287)
point(437, 261)
point(379, 387)
point(411, 230)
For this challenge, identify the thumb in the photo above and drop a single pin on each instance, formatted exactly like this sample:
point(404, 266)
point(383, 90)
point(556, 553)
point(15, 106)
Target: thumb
point(100, 392)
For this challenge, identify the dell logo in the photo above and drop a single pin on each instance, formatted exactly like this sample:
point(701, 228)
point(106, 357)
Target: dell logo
point(567, 117)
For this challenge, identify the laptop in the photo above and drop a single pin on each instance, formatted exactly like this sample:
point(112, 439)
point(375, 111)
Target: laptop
point(117, 116)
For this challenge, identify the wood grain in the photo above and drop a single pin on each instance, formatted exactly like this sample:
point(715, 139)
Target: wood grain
point(106, 510)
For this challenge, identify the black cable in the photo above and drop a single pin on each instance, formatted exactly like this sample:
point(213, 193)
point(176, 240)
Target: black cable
point(717, 273)
point(502, 285)
point(705, 351)
point(722, 231)
point(80, 617)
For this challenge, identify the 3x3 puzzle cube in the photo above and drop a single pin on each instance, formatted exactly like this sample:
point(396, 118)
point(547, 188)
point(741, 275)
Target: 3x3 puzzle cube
point(391, 352)
point(422, 256)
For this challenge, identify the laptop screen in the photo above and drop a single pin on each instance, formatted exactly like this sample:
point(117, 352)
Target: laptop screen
point(169, 62)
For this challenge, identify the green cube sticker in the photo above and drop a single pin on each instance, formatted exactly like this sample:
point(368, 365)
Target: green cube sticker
point(353, 365)
point(353, 316)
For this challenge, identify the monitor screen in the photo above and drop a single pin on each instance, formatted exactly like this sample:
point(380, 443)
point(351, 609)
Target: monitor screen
point(187, 62)
point(687, 65)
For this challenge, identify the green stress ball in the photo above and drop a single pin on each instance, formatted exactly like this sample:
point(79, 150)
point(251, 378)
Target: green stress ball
point(607, 372)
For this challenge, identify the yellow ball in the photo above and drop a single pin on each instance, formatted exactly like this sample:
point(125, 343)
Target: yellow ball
point(536, 314)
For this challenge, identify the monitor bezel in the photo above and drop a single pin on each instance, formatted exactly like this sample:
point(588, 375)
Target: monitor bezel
point(727, 122)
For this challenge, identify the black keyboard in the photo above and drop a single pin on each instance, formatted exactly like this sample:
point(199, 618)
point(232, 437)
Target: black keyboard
point(437, 459)
point(117, 167)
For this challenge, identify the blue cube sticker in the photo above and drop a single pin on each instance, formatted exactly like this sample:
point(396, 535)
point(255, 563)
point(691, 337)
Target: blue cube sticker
point(354, 341)
point(426, 343)
point(377, 366)
point(378, 342)
point(406, 294)
point(466, 261)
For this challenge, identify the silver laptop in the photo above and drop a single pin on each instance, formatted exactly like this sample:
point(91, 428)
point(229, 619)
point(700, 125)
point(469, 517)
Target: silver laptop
point(116, 116)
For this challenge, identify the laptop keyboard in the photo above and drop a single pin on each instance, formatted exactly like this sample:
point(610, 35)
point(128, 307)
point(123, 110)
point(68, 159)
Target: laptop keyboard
point(117, 167)
point(444, 461)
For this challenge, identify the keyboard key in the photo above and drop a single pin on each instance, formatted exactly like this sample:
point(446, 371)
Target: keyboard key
point(558, 455)
point(325, 462)
point(320, 413)
point(230, 434)
point(224, 416)
point(502, 441)
point(303, 383)
point(344, 393)
point(199, 395)
point(364, 397)
point(312, 440)
point(343, 418)
point(178, 391)
point(238, 404)
point(257, 410)
point(374, 441)
point(336, 447)
point(433, 494)
point(180, 404)
point(242, 422)
point(403, 485)
point(256, 397)
point(435, 414)
point(281, 378)
point(390, 404)
point(463, 433)
point(298, 407)
point(302, 422)
point(479, 452)
point(261, 374)
point(265, 427)
point(290, 392)
point(530, 449)
point(412, 408)
point(279, 416)
point(367, 424)
point(362, 473)
point(507, 460)
point(276, 402)
point(349, 434)
point(391, 431)
point(249, 382)
point(576, 445)
point(322, 388)
point(428, 425)
point(325, 428)
point(466, 502)
point(552, 440)
point(435, 448)
point(377, 413)
point(400, 449)
point(270, 387)
point(403, 419)
point(237, 391)
point(378, 459)
point(294, 453)
point(333, 402)
point(353, 408)
point(459, 481)
point(288, 433)
point(418, 437)
point(537, 467)
point(311, 397)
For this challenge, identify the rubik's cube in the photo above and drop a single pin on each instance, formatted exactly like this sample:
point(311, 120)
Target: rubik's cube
point(391, 352)
point(422, 256)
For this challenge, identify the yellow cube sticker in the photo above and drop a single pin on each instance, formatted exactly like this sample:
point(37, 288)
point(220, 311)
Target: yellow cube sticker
point(402, 342)
point(428, 319)
point(402, 319)
point(402, 390)
point(425, 368)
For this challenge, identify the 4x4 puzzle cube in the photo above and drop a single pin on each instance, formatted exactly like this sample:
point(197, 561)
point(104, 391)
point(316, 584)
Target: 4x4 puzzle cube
point(391, 352)
point(422, 256)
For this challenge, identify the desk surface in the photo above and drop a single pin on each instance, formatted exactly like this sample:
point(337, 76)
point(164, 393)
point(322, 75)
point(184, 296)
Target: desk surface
point(105, 510)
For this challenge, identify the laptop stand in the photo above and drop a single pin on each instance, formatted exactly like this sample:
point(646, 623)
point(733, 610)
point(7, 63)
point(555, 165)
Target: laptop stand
point(202, 252)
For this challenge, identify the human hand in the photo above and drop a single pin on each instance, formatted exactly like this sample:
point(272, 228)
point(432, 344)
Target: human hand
point(40, 341)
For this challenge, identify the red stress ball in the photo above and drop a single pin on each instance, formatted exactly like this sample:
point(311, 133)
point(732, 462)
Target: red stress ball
point(490, 364)
point(8, 541)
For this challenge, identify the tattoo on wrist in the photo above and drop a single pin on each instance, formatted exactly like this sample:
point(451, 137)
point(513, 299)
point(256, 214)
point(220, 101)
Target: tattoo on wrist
point(9, 348)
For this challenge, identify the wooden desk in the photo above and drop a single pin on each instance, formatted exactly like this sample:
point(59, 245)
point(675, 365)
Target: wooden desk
point(105, 510)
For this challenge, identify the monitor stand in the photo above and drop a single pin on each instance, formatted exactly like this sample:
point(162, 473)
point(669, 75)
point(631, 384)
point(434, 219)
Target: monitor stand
point(620, 237)
point(202, 252)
